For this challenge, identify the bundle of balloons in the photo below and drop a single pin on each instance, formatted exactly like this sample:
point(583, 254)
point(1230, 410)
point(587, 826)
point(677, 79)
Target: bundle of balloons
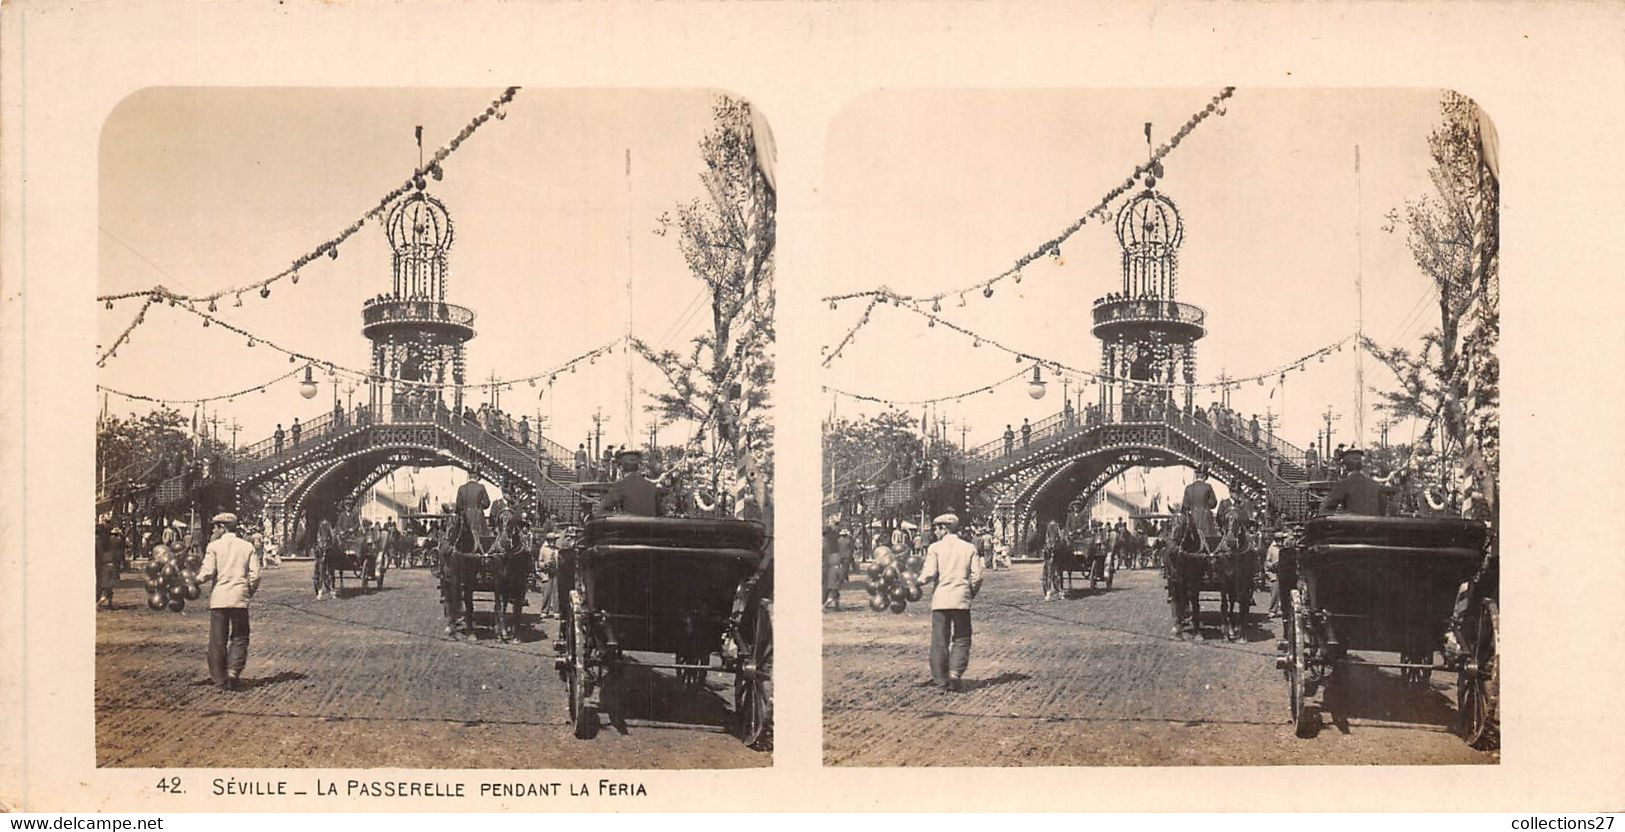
point(171, 578)
point(893, 580)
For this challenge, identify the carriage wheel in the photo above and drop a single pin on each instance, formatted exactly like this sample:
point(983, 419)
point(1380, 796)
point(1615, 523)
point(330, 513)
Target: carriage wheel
point(583, 714)
point(753, 686)
point(1305, 717)
point(1478, 684)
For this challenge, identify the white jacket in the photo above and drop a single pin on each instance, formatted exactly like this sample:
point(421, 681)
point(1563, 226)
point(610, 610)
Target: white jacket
point(235, 568)
point(952, 563)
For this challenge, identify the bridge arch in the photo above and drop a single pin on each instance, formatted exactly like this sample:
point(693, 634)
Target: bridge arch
point(1068, 459)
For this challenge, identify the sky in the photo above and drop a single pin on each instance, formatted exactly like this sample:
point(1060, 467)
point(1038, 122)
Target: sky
point(934, 190)
point(207, 188)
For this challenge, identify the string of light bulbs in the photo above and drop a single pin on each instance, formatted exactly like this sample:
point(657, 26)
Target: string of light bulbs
point(204, 400)
point(986, 388)
point(332, 367)
point(111, 351)
point(1025, 356)
point(1151, 169)
point(330, 247)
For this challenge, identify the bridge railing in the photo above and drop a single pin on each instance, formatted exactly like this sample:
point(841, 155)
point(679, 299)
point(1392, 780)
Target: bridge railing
point(1271, 456)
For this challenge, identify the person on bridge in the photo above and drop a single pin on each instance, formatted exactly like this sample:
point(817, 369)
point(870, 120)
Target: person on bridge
point(524, 431)
point(632, 493)
point(1198, 504)
point(1009, 440)
point(581, 462)
point(294, 431)
point(277, 438)
point(472, 501)
point(1356, 492)
point(233, 565)
point(954, 572)
point(1026, 433)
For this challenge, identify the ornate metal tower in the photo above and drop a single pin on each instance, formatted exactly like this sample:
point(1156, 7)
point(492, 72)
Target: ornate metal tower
point(416, 335)
point(1146, 335)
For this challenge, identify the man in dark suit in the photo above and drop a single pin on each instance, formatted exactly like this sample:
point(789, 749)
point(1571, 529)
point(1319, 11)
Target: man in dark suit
point(472, 501)
point(632, 493)
point(1198, 504)
point(1356, 492)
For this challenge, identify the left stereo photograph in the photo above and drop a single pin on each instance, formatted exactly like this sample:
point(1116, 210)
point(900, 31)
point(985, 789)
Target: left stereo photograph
point(435, 430)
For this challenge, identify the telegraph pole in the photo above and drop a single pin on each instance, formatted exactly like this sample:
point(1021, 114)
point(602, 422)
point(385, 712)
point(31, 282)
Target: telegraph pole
point(598, 420)
point(1269, 427)
point(495, 397)
point(1224, 387)
point(1330, 417)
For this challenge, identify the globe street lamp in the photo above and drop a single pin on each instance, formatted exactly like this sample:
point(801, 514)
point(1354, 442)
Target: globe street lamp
point(307, 388)
point(1036, 387)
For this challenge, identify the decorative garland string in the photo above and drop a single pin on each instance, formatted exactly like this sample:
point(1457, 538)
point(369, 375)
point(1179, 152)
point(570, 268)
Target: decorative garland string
point(140, 315)
point(206, 399)
point(1052, 247)
point(986, 388)
point(432, 167)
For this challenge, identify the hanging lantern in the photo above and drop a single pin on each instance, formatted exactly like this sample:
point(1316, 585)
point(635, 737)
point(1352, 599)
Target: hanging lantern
point(109, 304)
point(213, 307)
point(265, 291)
point(333, 252)
point(205, 323)
point(239, 299)
point(936, 304)
point(295, 278)
point(961, 300)
point(1036, 387)
point(251, 343)
point(307, 388)
point(1055, 252)
point(987, 291)
point(832, 305)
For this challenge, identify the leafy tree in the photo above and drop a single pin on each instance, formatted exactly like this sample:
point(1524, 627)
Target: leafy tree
point(721, 381)
point(1451, 382)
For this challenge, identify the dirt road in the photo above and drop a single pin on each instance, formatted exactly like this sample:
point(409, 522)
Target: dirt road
point(1096, 680)
point(368, 681)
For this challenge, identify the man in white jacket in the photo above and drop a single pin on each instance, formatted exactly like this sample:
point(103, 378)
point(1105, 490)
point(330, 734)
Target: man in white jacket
point(953, 569)
point(234, 566)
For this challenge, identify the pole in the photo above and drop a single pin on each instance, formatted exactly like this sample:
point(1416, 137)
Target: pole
point(626, 347)
point(1359, 307)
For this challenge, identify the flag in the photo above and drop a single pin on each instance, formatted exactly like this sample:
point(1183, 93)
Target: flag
point(1148, 131)
point(420, 136)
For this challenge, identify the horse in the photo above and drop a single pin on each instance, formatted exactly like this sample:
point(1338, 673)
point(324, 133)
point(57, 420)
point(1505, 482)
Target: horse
point(513, 562)
point(1050, 578)
point(327, 544)
point(1233, 568)
point(1185, 566)
point(456, 579)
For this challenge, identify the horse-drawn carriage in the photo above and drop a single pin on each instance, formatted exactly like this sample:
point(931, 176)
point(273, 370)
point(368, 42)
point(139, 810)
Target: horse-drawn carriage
point(1082, 551)
point(686, 589)
point(354, 553)
point(1415, 586)
point(495, 562)
point(1226, 567)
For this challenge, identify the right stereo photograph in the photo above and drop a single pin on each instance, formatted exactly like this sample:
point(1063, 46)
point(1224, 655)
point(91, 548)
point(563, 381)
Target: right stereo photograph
point(1161, 427)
